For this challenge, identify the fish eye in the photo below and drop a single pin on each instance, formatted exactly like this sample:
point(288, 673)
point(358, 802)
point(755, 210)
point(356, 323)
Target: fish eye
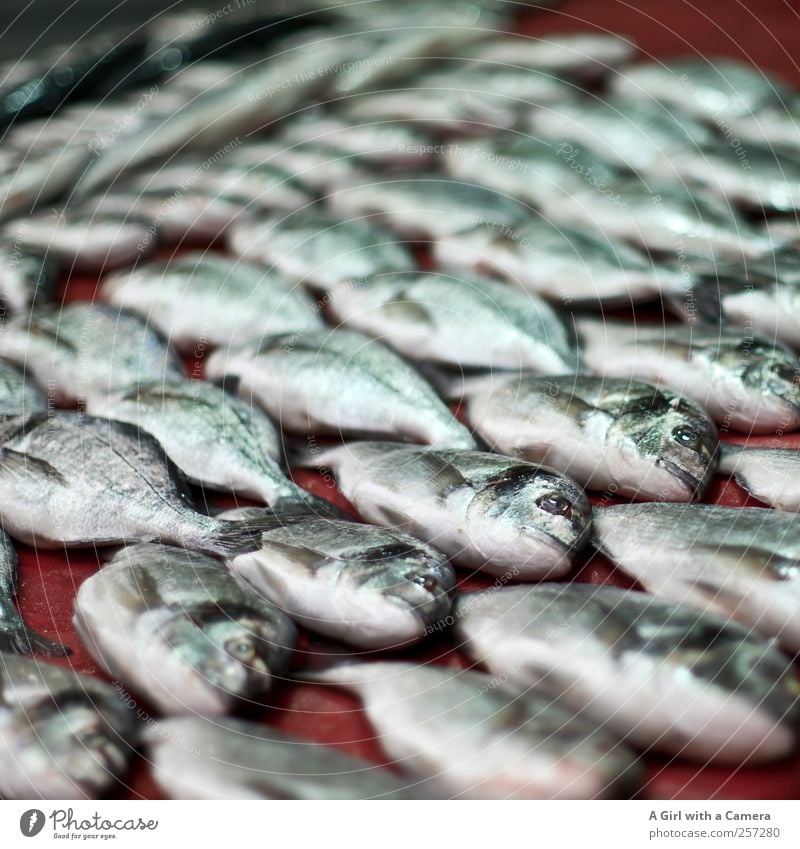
point(686, 436)
point(555, 504)
point(240, 649)
point(428, 583)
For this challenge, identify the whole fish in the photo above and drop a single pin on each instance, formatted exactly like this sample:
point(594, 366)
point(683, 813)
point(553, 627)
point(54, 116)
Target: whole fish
point(469, 321)
point(561, 263)
point(427, 205)
point(743, 379)
point(662, 676)
point(206, 298)
point(743, 562)
point(368, 587)
point(622, 436)
point(339, 382)
point(771, 475)
point(19, 396)
point(497, 514)
point(15, 635)
point(81, 241)
point(70, 480)
point(467, 737)
point(25, 278)
point(62, 735)
point(216, 439)
point(179, 629)
point(742, 101)
point(196, 758)
point(84, 347)
point(319, 249)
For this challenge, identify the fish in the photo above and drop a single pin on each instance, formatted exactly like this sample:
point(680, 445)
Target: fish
point(428, 205)
point(25, 278)
point(202, 297)
point(369, 587)
point(771, 475)
point(742, 101)
point(566, 265)
point(501, 515)
point(740, 562)
point(177, 628)
point(745, 380)
point(664, 677)
point(15, 635)
point(197, 758)
point(465, 321)
point(80, 241)
point(215, 438)
point(467, 737)
point(338, 382)
point(19, 396)
point(67, 479)
point(83, 347)
point(318, 249)
point(621, 436)
point(62, 735)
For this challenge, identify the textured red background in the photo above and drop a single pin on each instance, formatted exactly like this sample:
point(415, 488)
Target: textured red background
point(766, 33)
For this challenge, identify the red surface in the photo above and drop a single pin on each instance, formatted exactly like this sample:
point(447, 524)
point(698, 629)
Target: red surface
point(766, 33)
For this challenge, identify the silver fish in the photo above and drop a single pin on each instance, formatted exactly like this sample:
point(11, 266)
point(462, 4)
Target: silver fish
point(196, 758)
point(15, 635)
point(427, 205)
point(771, 475)
point(621, 436)
point(467, 737)
point(742, 101)
point(561, 263)
point(339, 382)
point(178, 628)
point(19, 396)
point(25, 278)
point(743, 379)
point(62, 735)
point(85, 347)
point(497, 514)
point(71, 480)
point(368, 587)
point(319, 249)
point(216, 439)
point(743, 562)
point(205, 298)
point(468, 321)
point(662, 676)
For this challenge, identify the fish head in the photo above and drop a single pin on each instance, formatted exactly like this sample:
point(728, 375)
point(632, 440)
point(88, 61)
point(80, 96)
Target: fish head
point(235, 650)
point(526, 512)
point(773, 372)
point(675, 438)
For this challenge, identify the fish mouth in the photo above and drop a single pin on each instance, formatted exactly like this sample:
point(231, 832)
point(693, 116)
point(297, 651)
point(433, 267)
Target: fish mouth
point(690, 481)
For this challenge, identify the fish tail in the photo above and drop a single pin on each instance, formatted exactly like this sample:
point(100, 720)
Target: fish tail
point(17, 638)
point(311, 505)
point(233, 537)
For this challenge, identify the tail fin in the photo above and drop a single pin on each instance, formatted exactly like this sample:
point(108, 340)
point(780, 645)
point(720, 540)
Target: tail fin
point(312, 506)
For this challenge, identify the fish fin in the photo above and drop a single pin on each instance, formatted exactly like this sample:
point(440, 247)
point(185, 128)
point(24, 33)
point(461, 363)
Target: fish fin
point(443, 475)
point(309, 456)
point(18, 638)
point(17, 463)
point(408, 312)
point(728, 458)
point(307, 558)
point(395, 520)
point(40, 328)
point(244, 535)
point(311, 506)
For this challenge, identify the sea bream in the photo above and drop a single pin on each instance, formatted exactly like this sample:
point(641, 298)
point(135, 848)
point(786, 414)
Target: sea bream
point(743, 562)
point(318, 249)
point(67, 479)
point(622, 436)
point(465, 321)
point(663, 676)
point(222, 758)
point(465, 736)
point(216, 439)
point(62, 735)
point(25, 278)
point(179, 630)
point(498, 514)
point(368, 587)
point(745, 380)
point(15, 635)
point(206, 298)
point(81, 348)
point(771, 475)
point(19, 396)
point(742, 101)
point(566, 265)
point(339, 382)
